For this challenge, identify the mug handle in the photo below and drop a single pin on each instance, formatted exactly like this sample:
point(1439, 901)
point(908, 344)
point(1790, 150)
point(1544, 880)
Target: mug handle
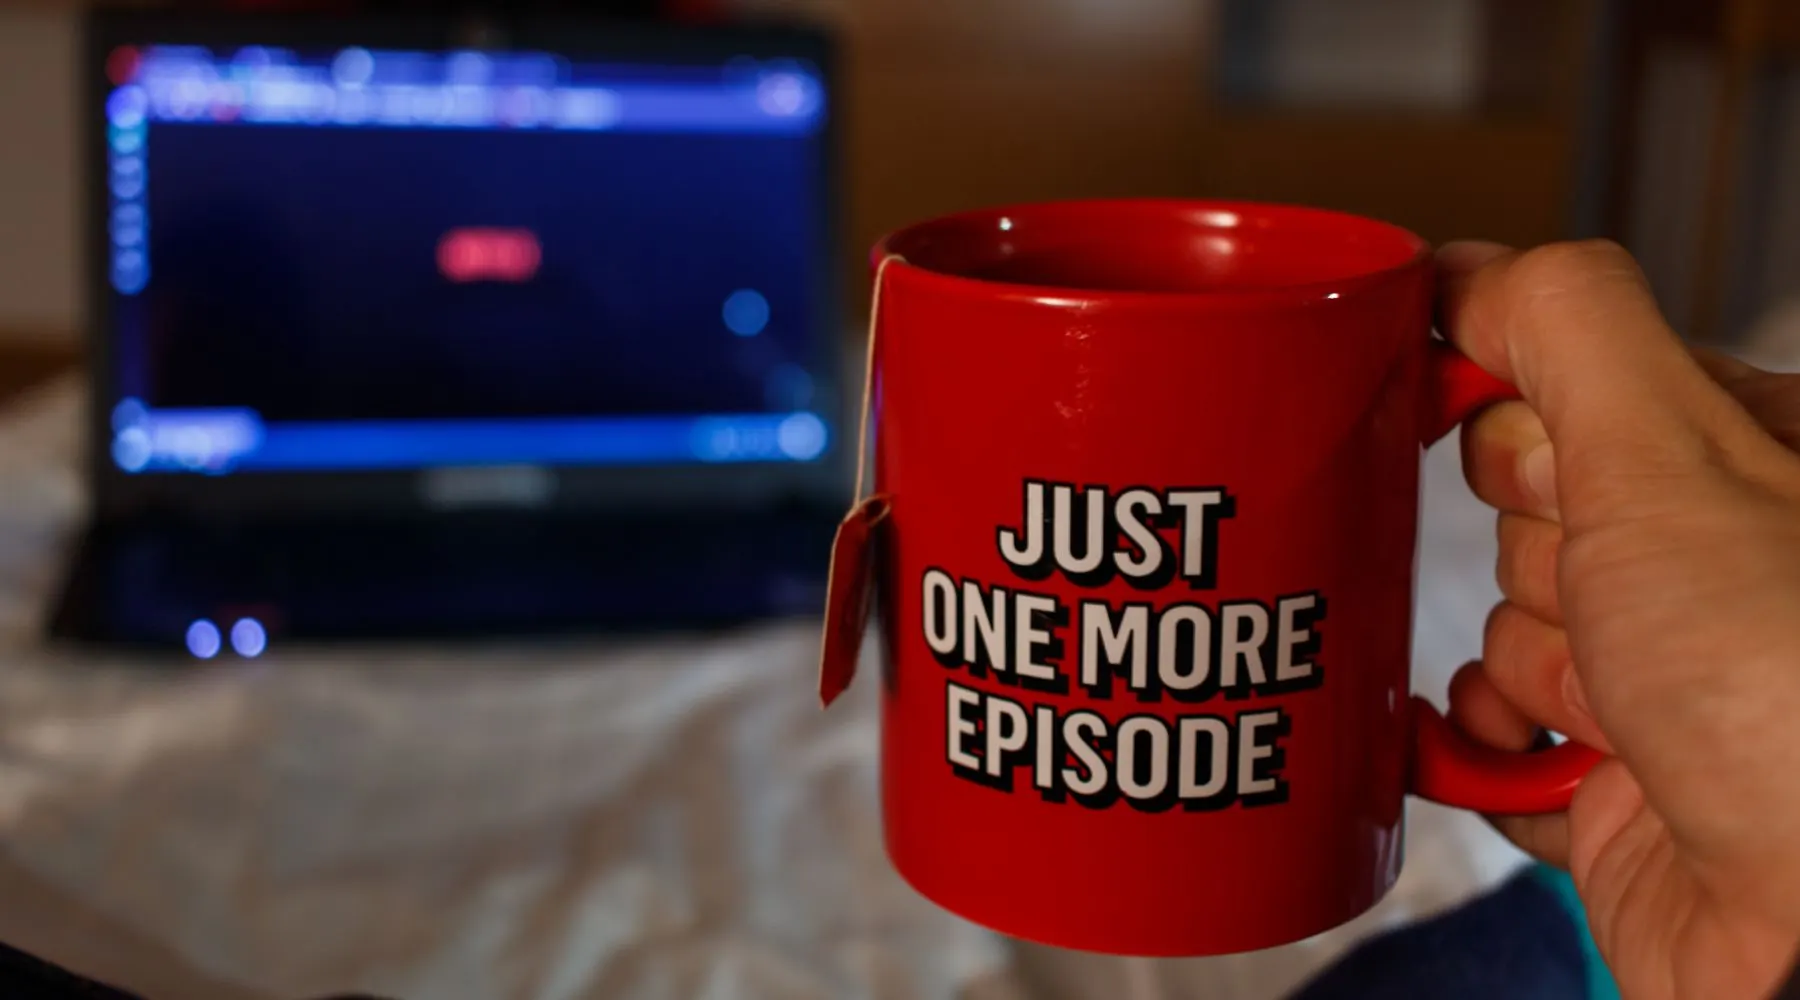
point(1448, 766)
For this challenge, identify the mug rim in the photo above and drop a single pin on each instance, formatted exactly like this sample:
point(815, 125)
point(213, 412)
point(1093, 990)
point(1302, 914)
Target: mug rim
point(1225, 214)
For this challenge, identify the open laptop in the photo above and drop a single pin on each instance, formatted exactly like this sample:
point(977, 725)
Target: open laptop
point(429, 328)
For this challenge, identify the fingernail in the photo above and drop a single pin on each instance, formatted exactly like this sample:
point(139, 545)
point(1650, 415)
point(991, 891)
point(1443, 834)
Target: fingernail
point(1468, 255)
point(1540, 476)
point(1573, 696)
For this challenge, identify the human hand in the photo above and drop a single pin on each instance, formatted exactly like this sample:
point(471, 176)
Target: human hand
point(1649, 501)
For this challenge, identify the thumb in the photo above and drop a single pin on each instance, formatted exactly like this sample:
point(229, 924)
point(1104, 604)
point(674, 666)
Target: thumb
point(1574, 326)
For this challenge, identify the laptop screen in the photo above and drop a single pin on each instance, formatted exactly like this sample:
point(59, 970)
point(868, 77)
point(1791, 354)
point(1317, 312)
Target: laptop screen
point(365, 259)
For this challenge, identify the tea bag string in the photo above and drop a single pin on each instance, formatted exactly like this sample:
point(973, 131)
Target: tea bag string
point(868, 388)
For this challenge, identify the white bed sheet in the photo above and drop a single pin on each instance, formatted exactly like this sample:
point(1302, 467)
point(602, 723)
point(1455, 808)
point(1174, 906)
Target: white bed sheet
point(655, 819)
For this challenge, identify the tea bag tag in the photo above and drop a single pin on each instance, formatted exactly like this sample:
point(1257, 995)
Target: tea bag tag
point(850, 586)
point(849, 593)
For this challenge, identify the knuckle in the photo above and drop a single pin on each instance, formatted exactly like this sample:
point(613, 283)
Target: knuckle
point(1528, 554)
point(1492, 627)
point(1525, 658)
point(1573, 262)
point(1495, 443)
point(1555, 274)
point(1499, 639)
point(1465, 679)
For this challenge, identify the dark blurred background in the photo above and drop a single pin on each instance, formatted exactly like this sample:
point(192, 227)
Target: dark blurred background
point(1665, 124)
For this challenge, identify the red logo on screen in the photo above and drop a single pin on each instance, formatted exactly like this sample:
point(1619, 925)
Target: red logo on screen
point(122, 65)
point(487, 254)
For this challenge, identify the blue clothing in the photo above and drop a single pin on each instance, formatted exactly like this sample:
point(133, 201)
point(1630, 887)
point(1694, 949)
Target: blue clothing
point(1600, 985)
point(1527, 938)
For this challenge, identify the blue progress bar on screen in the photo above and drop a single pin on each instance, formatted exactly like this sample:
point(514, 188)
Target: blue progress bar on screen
point(223, 441)
point(468, 90)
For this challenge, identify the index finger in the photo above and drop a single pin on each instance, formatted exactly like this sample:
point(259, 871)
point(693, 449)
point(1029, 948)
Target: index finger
point(1574, 327)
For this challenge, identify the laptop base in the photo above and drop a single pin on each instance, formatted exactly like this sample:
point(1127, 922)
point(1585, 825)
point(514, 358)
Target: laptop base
point(148, 582)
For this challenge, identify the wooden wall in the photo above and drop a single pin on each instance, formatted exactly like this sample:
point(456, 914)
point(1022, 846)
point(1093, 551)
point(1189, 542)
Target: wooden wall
point(957, 104)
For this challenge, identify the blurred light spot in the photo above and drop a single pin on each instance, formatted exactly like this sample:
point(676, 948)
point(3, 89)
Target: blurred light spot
point(190, 98)
point(537, 69)
point(249, 638)
point(1219, 219)
point(203, 639)
point(432, 105)
point(128, 185)
point(126, 141)
point(487, 254)
point(126, 107)
point(1006, 225)
point(353, 67)
point(587, 107)
point(128, 225)
point(801, 437)
point(193, 447)
point(227, 101)
point(746, 312)
point(721, 444)
point(471, 106)
point(353, 106)
point(469, 68)
point(130, 272)
point(525, 107)
point(131, 450)
point(788, 387)
point(782, 94)
point(317, 102)
point(397, 105)
point(129, 413)
point(1332, 295)
point(254, 56)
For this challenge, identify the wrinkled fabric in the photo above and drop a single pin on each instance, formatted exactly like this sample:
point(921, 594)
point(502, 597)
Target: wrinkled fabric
point(669, 818)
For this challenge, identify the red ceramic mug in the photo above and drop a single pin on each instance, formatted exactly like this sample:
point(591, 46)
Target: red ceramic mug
point(1146, 485)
